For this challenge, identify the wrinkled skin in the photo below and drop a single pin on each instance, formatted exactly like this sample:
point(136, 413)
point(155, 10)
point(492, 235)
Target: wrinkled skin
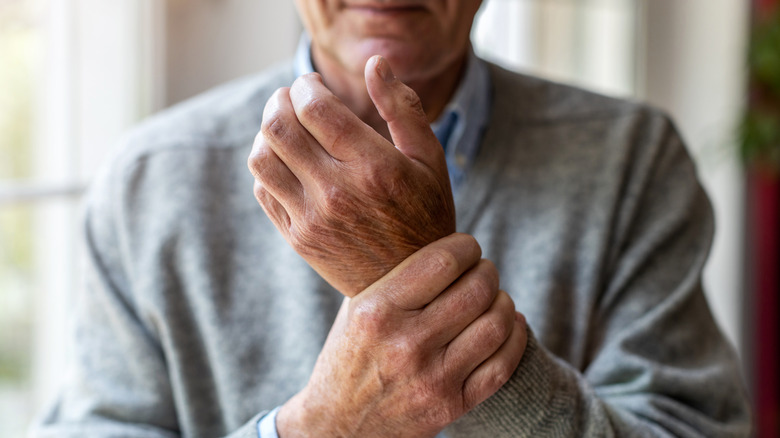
point(350, 202)
point(404, 359)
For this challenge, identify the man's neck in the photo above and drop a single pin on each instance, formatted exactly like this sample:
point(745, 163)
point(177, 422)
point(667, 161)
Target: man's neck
point(434, 92)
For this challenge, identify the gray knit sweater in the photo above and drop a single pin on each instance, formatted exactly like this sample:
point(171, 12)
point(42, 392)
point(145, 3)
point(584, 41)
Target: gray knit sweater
point(196, 316)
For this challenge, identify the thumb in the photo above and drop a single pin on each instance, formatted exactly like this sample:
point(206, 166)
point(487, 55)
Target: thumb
point(401, 108)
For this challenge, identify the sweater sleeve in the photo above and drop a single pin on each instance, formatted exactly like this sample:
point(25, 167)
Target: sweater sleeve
point(118, 383)
point(658, 366)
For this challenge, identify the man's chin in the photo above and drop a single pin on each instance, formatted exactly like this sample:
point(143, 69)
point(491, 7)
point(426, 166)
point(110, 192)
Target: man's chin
point(407, 62)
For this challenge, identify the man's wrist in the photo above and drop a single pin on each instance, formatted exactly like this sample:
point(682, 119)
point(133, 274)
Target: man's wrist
point(303, 416)
point(266, 426)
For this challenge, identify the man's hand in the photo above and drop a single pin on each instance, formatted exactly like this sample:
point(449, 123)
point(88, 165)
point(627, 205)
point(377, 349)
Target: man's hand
point(414, 351)
point(350, 202)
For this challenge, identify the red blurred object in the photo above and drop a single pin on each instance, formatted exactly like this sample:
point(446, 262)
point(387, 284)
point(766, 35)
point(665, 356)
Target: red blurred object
point(764, 6)
point(763, 273)
point(764, 241)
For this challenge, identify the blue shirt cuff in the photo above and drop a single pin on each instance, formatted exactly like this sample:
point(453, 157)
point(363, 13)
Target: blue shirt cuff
point(266, 426)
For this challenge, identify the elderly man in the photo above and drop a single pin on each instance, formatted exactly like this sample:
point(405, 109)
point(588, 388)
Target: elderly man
point(352, 307)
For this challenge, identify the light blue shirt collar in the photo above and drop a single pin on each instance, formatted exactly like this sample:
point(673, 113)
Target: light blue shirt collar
point(463, 121)
point(302, 63)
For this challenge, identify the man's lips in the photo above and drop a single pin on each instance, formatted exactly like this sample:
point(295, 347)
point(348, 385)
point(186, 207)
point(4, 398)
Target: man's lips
point(385, 7)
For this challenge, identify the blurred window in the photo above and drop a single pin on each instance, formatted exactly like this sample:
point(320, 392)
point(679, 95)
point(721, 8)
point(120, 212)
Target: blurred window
point(590, 43)
point(53, 134)
point(21, 42)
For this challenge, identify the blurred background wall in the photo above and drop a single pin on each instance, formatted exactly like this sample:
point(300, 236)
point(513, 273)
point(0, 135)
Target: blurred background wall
point(90, 69)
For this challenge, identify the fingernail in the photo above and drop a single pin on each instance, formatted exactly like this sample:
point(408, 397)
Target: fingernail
point(383, 68)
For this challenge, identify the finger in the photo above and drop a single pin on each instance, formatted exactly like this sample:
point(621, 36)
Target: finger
point(340, 132)
point(290, 141)
point(492, 374)
point(401, 108)
point(274, 176)
point(462, 303)
point(420, 278)
point(483, 337)
point(273, 209)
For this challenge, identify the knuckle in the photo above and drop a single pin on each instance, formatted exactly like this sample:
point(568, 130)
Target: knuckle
point(470, 242)
point(260, 193)
point(274, 128)
point(489, 272)
point(506, 307)
point(476, 292)
point(306, 81)
point(369, 318)
point(502, 372)
point(259, 138)
point(272, 125)
point(467, 245)
point(315, 108)
point(442, 262)
point(404, 351)
point(480, 292)
point(259, 159)
point(411, 99)
point(495, 330)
